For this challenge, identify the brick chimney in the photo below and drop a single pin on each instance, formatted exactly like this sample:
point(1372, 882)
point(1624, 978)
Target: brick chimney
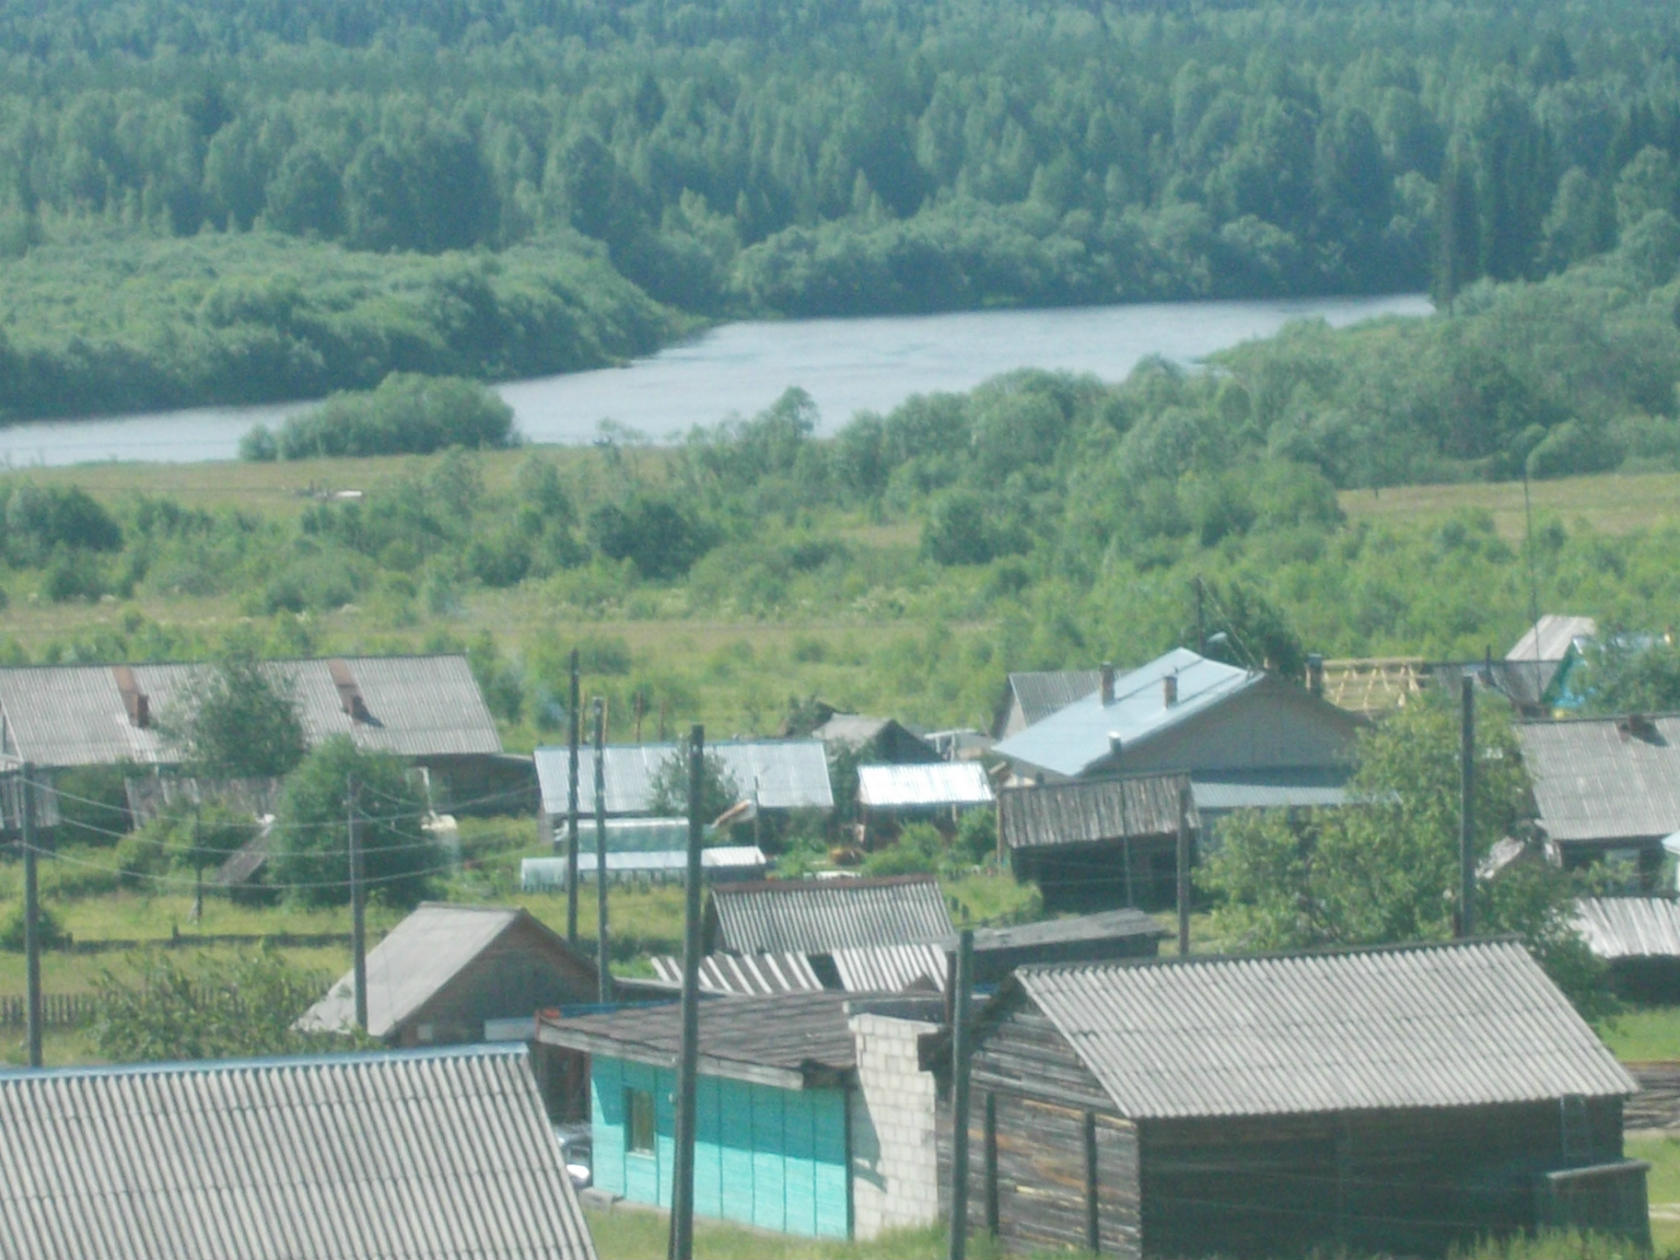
point(1107, 687)
point(1169, 690)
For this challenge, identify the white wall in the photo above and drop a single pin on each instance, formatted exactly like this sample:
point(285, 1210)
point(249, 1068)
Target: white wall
point(895, 1174)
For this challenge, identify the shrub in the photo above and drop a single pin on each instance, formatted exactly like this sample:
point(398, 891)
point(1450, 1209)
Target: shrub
point(406, 414)
point(47, 923)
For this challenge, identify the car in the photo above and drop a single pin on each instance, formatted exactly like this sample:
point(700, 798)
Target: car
point(577, 1153)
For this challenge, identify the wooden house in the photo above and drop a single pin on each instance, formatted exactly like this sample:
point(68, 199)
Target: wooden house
point(875, 739)
point(776, 775)
point(1030, 696)
point(821, 915)
point(1606, 788)
point(1638, 938)
point(811, 1115)
point(1393, 1100)
point(446, 972)
point(418, 1153)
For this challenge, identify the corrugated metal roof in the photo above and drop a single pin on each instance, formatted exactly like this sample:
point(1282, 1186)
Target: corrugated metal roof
point(1630, 927)
point(929, 786)
point(821, 915)
point(792, 1034)
point(785, 774)
point(354, 1157)
point(1091, 811)
point(737, 859)
point(415, 961)
point(746, 975)
point(1420, 1026)
point(1604, 778)
point(1550, 638)
point(1079, 735)
point(852, 729)
point(891, 968)
point(74, 715)
point(1039, 693)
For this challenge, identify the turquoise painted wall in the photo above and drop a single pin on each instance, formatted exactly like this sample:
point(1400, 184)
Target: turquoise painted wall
point(774, 1158)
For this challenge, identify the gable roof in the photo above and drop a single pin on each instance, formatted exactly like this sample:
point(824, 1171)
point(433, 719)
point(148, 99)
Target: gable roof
point(1457, 1024)
point(1039, 693)
point(410, 706)
point(1629, 927)
point(1551, 638)
point(785, 773)
point(924, 786)
point(420, 957)
point(748, 975)
point(1089, 811)
point(789, 1040)
point(822, 915)
point(1080, 734)
point(371, 1157)
point(1604, 779)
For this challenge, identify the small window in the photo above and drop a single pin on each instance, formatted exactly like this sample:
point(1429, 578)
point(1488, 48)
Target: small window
point(638, 1120)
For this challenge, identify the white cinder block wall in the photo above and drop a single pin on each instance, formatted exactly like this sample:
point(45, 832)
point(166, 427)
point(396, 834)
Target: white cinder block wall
point(895, 1173)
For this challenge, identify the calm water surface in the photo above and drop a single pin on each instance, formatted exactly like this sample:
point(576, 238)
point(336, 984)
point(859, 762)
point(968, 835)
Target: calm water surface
point(846, 365)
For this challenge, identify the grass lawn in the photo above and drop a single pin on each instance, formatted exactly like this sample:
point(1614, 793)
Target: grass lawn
point(1662, 1187)
point(1611, 503)
point(1644, 1034)
point(629, 1233)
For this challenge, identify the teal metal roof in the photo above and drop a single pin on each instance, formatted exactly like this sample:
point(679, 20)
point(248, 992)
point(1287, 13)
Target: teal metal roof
point(1075, 738)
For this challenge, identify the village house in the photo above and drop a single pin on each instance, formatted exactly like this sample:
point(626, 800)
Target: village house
point(1638, 939)
point(1396, 1100)
point(889, 796)
point(358, 1155)
point(822, 915)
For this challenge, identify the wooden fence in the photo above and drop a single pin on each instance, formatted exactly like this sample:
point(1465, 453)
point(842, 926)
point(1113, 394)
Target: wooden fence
point(58, 1010)
point(1657, 1104)
point(178, 939)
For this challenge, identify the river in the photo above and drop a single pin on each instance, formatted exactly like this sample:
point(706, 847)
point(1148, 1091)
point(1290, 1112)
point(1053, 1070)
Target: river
point(846, 365)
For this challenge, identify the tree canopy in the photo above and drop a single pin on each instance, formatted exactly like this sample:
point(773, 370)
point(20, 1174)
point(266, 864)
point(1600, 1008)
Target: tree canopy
point(236, 720)
point(671, 780)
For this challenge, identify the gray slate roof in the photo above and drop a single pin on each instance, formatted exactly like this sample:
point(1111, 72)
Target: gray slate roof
point(927, 786)
point(417, 706)
point(1419, 1026)
point(789, 1039)
point(1079, 735)
point(1630, 927)
point(746, 975)
point(354, 1157)
point(1601, 779)
point(822, 915)
point(414, 962)
point(786, 774)
point(1091, 811)
point(1039, 693)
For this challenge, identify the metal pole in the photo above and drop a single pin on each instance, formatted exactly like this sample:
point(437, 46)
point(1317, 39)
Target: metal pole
point(1201, 620)
point(682, 1187)
point(604, 972)
point(358, 907)
point(959, 1095)
point(31, 911)
point(1184, 870)
point(1466, 808)
point(572, 806)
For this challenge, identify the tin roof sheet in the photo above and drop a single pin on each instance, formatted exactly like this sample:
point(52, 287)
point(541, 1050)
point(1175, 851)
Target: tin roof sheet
point(821, 915)
point(1630, 927)
point(929, 786)
point(1079, 735)
point(550, 872)
point(74, 715)
point(1039, 693)
point(784, 774)
point(1459, 1024)
point(745, 975)
point(1604, 779)
point(1550, 638)
point(1091, 811)
point(352, 1157)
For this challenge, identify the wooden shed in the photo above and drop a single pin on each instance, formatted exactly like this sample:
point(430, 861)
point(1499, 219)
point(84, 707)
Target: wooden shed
point(821, 915)
point(1396, 1100)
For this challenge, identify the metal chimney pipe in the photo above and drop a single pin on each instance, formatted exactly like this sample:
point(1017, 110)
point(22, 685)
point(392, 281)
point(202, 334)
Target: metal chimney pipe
point(1107, 683)
point(1169, 690)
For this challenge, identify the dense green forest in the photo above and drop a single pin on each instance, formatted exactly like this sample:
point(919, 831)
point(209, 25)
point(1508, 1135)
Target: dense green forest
point(513, 186)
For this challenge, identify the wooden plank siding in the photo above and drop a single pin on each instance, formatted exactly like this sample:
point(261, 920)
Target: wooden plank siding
point(772, 1158)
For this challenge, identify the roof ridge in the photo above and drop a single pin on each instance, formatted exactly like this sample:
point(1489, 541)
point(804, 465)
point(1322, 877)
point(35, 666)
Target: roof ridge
point(1284, 955)
point(353, 1058)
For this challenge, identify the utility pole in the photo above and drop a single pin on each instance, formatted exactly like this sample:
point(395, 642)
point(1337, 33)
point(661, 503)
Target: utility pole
point(964, 984)
point(1466, 808)
point(1201, 618)
point(1184, 870)
point(603, 971)
point(682, 1186)
point(31, 910)
point(358, 907)
point(572, 809)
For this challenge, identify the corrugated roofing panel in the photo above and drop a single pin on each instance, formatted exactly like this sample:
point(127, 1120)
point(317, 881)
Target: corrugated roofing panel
point(355, 1157)
point(1630, 927)
point(930, 786)
point(891, 968)
point(746, 975)
point(1419, 1026)
point(785, 773)
point(1091, 811)
point(821, 915)
point(1604, 778)
point(1303, 788)
point(1079, 735)
point(1040, 693)
point(739, 860)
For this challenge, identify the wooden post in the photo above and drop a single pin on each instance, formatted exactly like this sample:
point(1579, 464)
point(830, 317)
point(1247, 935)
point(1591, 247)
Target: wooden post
point(682, 1184)
point(358, 908)
point(31, 910)
point(572, 808)
point(602, 960)
point(1184, 870)
point(964, 984)
point(1093, 1219)
point(991, 1164)
point(1466, 808)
